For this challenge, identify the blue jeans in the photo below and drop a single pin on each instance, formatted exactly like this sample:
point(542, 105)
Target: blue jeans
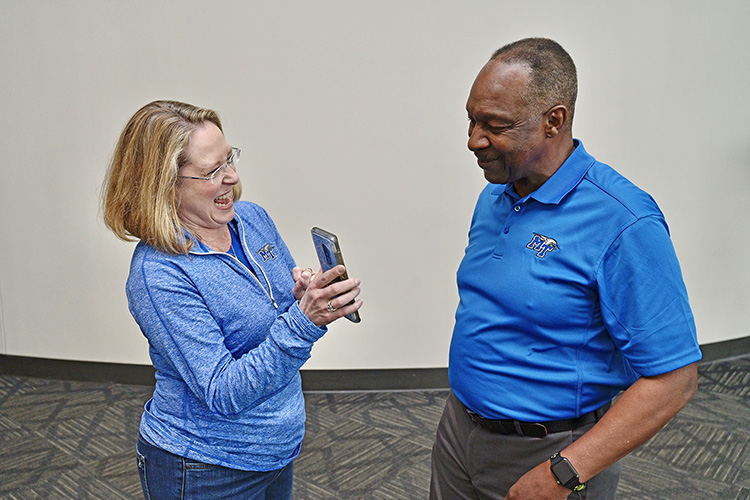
point(165, 476)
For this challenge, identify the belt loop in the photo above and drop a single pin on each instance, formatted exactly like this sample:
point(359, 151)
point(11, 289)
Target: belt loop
point(517, 426)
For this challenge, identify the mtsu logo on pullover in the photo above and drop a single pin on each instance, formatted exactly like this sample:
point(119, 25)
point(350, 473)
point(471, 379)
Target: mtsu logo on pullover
point(267, 252)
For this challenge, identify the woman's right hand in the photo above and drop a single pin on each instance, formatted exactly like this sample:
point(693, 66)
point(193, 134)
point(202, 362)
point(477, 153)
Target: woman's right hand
point(322, 291)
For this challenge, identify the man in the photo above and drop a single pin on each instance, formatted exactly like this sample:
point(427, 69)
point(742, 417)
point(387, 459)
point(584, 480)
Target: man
point(570, 292)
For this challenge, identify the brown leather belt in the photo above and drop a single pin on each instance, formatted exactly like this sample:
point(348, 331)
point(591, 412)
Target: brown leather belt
point(537, 429)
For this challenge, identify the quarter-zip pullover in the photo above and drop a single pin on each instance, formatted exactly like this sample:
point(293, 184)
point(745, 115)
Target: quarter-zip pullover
point(227, 345)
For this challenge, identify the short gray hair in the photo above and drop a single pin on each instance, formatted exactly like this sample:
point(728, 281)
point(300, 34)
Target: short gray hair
point(552, 80)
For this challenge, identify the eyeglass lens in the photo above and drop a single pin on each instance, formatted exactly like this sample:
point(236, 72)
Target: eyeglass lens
point(221, 172)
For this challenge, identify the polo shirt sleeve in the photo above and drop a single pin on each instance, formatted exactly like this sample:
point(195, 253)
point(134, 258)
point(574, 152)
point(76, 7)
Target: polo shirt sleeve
point(644, 301)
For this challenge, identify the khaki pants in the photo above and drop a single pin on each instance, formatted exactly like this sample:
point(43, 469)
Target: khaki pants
point(472, 463)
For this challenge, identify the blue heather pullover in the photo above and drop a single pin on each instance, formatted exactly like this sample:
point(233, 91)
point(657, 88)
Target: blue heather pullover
point(227, 347)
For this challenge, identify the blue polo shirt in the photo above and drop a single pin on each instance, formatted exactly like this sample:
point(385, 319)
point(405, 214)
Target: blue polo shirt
point(567, 296)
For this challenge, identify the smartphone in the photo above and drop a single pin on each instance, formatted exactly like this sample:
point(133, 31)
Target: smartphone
point(329, 255)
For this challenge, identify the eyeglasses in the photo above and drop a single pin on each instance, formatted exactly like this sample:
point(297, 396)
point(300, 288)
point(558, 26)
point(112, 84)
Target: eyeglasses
point(217, 175)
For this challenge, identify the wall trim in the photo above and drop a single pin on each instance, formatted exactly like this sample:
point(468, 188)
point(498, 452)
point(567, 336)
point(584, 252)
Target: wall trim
point(3, 346)
point(374, 380)
point(81, 371)
point(312, 380)
point(725, 349)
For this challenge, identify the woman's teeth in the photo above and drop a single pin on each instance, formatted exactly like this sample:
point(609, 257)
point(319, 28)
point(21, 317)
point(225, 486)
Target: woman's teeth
point(223, 199)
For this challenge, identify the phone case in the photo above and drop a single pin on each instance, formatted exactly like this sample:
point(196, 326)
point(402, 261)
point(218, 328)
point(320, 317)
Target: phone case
point(329, 255)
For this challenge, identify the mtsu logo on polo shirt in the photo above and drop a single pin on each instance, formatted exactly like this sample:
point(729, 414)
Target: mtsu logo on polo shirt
point(267, 252)
point(542, 244)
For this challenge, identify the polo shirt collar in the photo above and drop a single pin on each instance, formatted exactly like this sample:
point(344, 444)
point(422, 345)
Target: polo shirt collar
point(562, 181)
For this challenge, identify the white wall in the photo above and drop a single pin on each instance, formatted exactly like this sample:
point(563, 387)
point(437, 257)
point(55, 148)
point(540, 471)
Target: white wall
point(351, 116)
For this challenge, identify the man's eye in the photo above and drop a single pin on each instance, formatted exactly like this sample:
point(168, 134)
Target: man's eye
point(498, 130)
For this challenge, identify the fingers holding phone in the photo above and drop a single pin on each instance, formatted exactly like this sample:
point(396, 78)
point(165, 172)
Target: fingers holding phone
point(328, 297)
point(302, 278)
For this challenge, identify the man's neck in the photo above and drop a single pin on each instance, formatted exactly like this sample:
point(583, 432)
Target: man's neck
point(559, 151)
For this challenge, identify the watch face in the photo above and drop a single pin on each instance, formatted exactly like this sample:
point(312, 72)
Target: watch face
point(564, 472)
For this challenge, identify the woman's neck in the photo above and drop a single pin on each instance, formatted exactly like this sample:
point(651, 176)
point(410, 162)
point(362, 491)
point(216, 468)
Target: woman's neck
point(219, 239)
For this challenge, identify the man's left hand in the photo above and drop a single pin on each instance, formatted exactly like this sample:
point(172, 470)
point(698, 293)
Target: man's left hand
point(538, 484)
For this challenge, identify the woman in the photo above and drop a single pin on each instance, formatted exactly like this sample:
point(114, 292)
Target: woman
point(228, 316)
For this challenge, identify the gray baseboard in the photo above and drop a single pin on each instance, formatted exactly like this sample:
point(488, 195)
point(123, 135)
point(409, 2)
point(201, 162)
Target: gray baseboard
point(726, 349)
point(81, 371)
point(312, 380)
point(374, 380)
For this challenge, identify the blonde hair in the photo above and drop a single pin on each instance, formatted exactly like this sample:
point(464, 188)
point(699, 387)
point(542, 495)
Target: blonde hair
point(139, 194)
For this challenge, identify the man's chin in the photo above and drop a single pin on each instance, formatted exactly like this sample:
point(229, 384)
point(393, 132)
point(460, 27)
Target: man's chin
point(495, 178)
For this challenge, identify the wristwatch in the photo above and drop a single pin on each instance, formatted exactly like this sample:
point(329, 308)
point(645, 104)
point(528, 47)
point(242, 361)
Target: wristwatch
point(564, 472)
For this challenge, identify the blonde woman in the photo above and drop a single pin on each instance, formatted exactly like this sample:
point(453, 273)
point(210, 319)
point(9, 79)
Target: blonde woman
point(228, 316)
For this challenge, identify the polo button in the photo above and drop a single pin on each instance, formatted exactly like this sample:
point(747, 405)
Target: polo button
point(506, 230)
point(517, 208)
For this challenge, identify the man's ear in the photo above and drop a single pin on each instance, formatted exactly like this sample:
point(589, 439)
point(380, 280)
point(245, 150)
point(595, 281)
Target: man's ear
point(555, 120)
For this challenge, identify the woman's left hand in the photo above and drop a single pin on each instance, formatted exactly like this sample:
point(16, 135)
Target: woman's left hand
point(302, 279)
point(325, 300)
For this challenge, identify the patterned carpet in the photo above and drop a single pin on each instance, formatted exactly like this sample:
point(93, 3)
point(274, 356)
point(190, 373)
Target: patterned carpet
point(74, 440)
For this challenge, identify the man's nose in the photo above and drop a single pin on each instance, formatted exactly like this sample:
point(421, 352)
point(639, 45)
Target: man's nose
point(477, 139)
